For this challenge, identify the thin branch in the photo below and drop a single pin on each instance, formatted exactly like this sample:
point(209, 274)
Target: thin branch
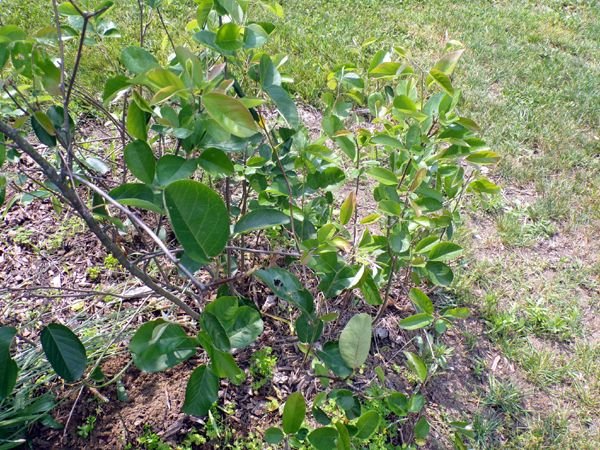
point(92, 224)
point(146, 229)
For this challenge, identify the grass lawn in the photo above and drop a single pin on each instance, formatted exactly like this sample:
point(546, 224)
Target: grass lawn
point(531, 79)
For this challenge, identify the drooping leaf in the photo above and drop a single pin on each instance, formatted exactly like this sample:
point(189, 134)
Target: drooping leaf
point(8, 366)
point(230, 36)
point(347, 209)
point(331, 356)
point(171, 168)
point(138, 195)
point(284, 103)
point(64, 351)
point(383, 175)
point(421, 431)
point(274, 435)
point(216, 162)
point(421, 301)
point(439, 273)
point(416, 321)
point(141, 161)
point(324, 438)
point(443, 80)
point(294, 412)
point(367, 424)
point(199, 218)
point(417, 365)
point(137, 122)
point(201, 393)
point(158, 345)
point(444, 251)
point(137, 60)
point(287, 287)
point(355, 340)
point(260, 219)
point(231, 114)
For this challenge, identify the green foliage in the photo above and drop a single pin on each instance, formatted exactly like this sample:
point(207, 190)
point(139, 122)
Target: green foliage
point(262, 365)
point(229, 164)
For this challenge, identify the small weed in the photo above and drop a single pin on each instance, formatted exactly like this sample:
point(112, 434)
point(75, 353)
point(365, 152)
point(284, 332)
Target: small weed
point(149, 440)
point(87, 428)
point(504, 396)
point(111, 263)
point(262, 365)
point(93, 273)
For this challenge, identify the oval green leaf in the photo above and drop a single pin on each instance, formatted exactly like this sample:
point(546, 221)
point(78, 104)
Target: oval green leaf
point(355, 340)
point(160, 345)
point(199, 218)
point(64, 351)
point(294, 412)
point(141, 161)
point(416, 321)
point(260, 219)
point(231, 114)
point(201, 392)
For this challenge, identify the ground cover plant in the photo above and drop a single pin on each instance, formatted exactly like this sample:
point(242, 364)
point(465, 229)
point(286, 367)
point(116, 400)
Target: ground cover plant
point(389, 149)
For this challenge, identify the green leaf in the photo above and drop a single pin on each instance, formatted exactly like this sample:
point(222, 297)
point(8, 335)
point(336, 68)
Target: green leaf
point(247, 327)
point(448, 62)
point(369, 289)
point(324, 438)
point(242, 323)
point(137, 60)
point(260, 219)
point(214, 329)
point(113, 86)
point(284, 103)
point(199, 218)
point(137, 122)
point(483, 157)
point(274, 435)
point(421, 301)
point(332, 358)
point(355, 340)
point(201, 393)
point(384, 176)
point(417, 365)
point(343, 442)
point(160, 345)
point(97, 165)
point(204, 9)
point(171, 168)
point(216, 162)
point(294, 412)
point(230, 37)
point(421, 431)
point(8, 367)
point(2, 189)
point(444, 251)
point(287, 287)
point(137, 195)
point(43, 129)
point(367, 424)
point(141, 161)
point(416, 321)
point(309, 328)
point(231, 114)
point(64, 351)
point(443, 80)
point(456, 313)
point(439, 273)
point(347, 209)
point(483, 186)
